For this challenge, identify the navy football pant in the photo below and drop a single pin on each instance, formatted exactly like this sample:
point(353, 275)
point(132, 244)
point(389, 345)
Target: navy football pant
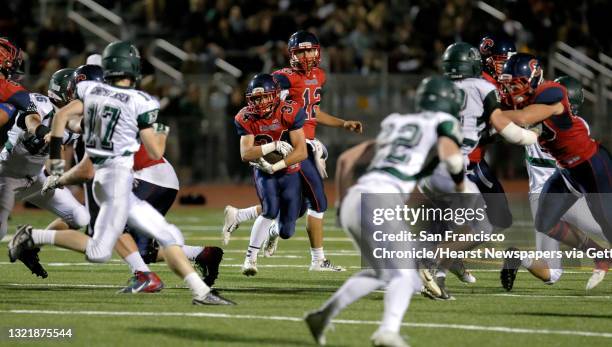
point(493, 193)
point(593, 178)
point(280, 195)
point(312, 184)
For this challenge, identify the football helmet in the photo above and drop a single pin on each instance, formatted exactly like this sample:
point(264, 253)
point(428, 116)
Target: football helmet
point(58, 86)
point(302, 41)
point(461, 60)
point(120, 59)
point(262, 94)
point(87, 72)
point(11, 59)
point(575, 93)
point(437, 93)
point(520, 77)
point(494, 52)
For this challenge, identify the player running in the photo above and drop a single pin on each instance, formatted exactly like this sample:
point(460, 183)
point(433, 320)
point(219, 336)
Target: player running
point(22, 163)
point(402, 151)
point(115, 117)
point(303, 83)
point(266, 125)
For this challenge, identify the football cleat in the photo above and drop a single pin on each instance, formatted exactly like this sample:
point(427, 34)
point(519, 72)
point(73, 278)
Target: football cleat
point(21, 247)
point(143, 282)
point(230, 223)
point(207, 262)
point(271, 243)
point(462, 273)
point(509, 271)
point(249, 268)
point(317, 323)
point(325, 265)
point(386, 338)
point(212, 298)
point(430, 287)
point(444, 294)
point(599, 273)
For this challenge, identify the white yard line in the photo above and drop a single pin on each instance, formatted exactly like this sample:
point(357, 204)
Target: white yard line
point(500, 329)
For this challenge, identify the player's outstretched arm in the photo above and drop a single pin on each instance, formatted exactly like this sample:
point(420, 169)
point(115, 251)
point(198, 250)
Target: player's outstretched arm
point(81, 172)
point(534, 113)
point(335, 122)
point(511, 132)
point(71, 111)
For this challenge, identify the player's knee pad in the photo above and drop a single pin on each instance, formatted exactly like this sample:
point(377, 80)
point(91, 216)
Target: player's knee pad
point(80, 218)
point(555, 275)
point(97, 254)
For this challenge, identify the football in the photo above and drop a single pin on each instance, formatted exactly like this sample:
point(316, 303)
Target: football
point(273, 157)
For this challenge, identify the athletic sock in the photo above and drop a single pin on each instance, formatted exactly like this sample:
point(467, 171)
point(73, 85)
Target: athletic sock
point(245, 214)
point(259, 232)
point(43, 237)
point(191, 252)
point(316, 254)
point(136, 263)
point(199, 289)
point(397, 298)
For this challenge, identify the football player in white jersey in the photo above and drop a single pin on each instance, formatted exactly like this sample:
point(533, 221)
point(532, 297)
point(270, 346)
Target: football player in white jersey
point(22, 166)
point(480, 114)
point(406, 145)
point(115, 116)
point(575, 226)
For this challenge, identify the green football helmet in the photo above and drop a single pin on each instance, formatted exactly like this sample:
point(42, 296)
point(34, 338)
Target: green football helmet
point(575, 93)
point(437, 93)
point(121, 59)
point(461, 60)
point(58, 86)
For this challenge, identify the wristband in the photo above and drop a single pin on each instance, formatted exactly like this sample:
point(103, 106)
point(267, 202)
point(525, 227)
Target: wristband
point(41, 131)
point(55, 148)
point(268, 148)
point(279, 165)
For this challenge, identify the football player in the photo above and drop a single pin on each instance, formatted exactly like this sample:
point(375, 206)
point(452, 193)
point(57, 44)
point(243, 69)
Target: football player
point(116, 116)
point(402, 149)
point(22, 167)
point(583, 163)
point(11, 59)
point(302, 83)
point(481, 113)
point(266, 125)
point(576, 224)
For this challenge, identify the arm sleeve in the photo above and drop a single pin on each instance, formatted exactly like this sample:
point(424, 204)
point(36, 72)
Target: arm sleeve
point(491, 102)
point(298, 121)
point(240, 129)
point(9, 109)
point(549, 96)
point(450, 129)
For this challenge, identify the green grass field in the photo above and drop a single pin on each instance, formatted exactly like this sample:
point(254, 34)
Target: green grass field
point(82, 297)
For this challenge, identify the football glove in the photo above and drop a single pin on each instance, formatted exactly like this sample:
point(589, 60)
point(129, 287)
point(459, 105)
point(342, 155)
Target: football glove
point(56, 166)
point(283, 147)
point(51, 183)
point(161, 128)
point(263, 165)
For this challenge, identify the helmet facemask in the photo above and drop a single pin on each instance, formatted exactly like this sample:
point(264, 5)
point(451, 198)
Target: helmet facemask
point(519, 90)
point(495, 63)
point(261, 102)
point(301, 59)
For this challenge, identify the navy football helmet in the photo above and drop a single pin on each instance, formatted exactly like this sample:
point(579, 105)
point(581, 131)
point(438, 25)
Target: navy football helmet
point(302, 41)
point(84, 73)
point(520, 77)
point(494, 52)
point(262, 94)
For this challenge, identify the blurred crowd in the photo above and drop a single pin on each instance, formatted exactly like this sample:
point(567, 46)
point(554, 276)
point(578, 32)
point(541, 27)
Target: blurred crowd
point(359, 36)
